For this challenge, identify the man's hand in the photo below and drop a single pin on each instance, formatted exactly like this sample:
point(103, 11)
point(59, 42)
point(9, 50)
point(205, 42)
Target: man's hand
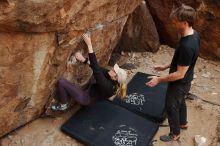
point(154, 81)
point(161, 67)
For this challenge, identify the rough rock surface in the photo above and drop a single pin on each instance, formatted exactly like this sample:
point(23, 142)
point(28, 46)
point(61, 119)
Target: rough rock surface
point(54, 15)
point(140, 33)
point(208, 22)
point(37, 37)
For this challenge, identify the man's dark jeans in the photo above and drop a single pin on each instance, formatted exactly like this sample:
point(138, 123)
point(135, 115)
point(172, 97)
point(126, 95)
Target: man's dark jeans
point(176, 106)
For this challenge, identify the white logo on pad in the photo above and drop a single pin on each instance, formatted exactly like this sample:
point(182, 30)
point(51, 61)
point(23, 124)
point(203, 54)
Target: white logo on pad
point(135, 99)
point(125, 137)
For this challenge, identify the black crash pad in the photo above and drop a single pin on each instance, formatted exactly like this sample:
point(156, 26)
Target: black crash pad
point(106, 124)
point(143, 100)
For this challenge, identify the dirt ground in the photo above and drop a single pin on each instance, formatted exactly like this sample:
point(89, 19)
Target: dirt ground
point(203, 117)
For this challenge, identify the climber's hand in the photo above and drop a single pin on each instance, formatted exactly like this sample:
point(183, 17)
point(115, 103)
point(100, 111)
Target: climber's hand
point(87, 39)
point(80, 57)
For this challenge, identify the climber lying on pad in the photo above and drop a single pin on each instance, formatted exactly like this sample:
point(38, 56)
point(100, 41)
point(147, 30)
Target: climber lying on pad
point(103, 84)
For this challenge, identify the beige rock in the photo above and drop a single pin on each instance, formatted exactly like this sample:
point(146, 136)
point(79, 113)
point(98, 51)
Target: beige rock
point(36, 40)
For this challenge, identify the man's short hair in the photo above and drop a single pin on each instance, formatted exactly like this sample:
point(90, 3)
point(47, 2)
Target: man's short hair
point(184, 13)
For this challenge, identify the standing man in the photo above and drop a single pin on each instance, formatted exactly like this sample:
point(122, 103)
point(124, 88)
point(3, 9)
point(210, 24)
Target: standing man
point(181, 71)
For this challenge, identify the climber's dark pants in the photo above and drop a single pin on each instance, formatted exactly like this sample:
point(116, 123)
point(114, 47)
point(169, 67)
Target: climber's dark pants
point(66, 89)
point(176, 106)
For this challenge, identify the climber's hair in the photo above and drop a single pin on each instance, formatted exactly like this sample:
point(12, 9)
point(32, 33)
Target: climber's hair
point(121, 91)
point(184, 13)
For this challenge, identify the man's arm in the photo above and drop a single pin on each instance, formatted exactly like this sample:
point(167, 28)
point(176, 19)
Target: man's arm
point(179, 74)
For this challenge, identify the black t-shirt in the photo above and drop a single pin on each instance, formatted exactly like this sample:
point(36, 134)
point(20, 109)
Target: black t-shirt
point(186, 54)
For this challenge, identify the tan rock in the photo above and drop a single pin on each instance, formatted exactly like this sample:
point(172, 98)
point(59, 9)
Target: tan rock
point(33, 59)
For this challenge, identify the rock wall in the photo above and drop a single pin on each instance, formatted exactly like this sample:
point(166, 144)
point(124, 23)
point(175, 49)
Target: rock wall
point(140, 32)
point(207, 23)
point(36, 40)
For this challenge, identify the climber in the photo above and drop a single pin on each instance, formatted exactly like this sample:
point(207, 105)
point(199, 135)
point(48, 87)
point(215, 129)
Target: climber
point(103, 84)
point(181, 71)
